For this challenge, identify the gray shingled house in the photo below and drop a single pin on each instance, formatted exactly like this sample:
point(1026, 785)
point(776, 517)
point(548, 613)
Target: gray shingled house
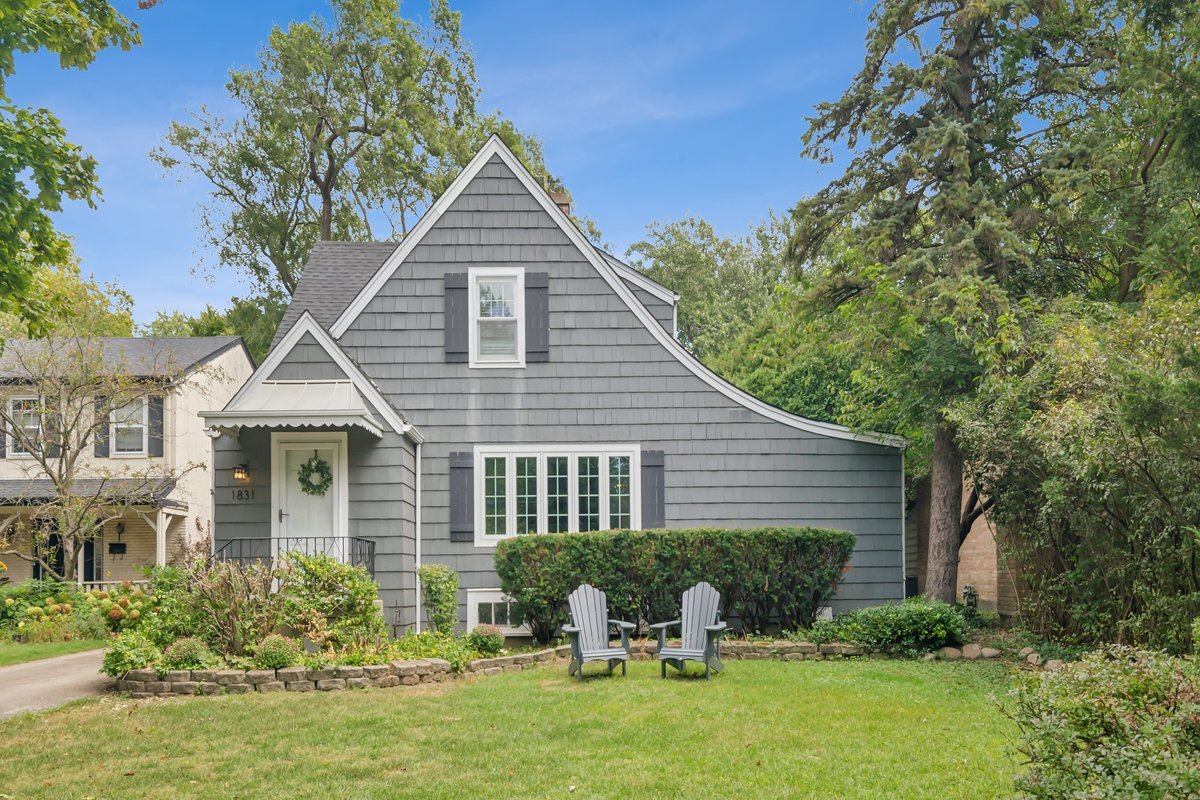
point(493, 375)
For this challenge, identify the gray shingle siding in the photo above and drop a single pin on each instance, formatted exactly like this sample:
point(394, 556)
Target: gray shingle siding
point(663, 312)
point(607, 380)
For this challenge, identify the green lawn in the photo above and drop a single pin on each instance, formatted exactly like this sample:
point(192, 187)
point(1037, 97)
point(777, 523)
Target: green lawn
point(13, 653)
point(853, 729)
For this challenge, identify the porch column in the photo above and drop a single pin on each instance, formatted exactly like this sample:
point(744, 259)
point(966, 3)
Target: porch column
point(160, 538)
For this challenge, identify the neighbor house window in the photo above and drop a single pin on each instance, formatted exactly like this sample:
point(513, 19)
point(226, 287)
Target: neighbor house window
point(497, 324)
point(554, 489)
point(129, 425)
point(26, 416)
point(492, 607)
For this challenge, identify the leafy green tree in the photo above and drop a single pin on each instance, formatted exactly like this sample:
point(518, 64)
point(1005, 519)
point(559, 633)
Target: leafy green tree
point(344, 123)
point(991, 152)
point(73, 305)
point(39, 168)
point(255, 319)
point(724, 284)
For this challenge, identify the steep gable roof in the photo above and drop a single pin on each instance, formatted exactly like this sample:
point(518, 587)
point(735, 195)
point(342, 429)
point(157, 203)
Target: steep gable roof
point(495, 147)
point(334, 275)
point(249, 399)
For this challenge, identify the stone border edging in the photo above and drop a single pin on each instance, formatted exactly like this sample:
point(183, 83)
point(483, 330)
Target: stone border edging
point(142, 683)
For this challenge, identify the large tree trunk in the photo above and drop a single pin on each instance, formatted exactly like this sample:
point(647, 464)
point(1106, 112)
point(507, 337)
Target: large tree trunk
point(945, 515)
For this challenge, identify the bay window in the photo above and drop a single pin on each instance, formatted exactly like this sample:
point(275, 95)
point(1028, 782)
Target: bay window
point(554, 489)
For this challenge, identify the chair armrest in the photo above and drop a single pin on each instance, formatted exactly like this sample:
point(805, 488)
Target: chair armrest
point(625, 625)
point(658, 626)
point(570, 630)
point(720, 626)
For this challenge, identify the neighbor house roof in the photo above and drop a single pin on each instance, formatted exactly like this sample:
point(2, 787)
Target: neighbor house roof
point(140, 491)
point(334, 275)
point(141, 357)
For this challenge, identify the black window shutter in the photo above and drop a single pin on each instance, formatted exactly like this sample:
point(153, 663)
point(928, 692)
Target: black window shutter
point(462, 497)
point(456, 317)
point(156, 425)
point(654, 513)
point(537, 317)
point(100, 446)
point(3, 440)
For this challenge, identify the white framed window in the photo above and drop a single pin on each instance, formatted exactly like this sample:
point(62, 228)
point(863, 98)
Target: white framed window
point(524, 489)
point(26, 414)
point(497, 336)
point(129, 425)
point(493, 607)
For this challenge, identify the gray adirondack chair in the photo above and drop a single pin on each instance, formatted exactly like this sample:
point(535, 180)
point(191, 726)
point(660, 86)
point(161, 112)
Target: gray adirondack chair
point(589, 631)
point(700, 629)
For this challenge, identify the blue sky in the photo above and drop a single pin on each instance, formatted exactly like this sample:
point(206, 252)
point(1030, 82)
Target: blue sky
point(648, 111)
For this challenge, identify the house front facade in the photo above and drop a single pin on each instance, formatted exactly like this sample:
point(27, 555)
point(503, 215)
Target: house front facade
point(144, 465)
point(495, 374)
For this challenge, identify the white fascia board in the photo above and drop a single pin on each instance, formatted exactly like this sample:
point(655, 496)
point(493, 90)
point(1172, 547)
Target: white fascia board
point(496, 147)
point(639, 279)
point(308, 324)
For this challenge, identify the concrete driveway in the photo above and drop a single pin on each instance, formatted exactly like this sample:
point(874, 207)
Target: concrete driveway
point(51, 682)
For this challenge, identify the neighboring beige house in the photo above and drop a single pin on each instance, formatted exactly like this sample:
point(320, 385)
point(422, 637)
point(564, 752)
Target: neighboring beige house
point(158, 434)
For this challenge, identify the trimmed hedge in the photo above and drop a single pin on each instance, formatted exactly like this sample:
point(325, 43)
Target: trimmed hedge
point(917, 625)
point(765, 575)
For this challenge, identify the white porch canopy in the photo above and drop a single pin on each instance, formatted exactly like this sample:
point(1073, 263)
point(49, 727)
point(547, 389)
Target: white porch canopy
point(272, 404)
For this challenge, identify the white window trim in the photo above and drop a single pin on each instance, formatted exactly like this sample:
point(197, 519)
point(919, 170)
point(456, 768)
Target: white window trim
point(11, 441)
point(477, 596)
point(573, 451)
point(518, 301)
point(112, 433)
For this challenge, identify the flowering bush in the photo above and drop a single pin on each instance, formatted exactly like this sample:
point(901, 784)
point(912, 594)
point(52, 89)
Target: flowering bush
point(188, 653)
point(277, 652)
point(486, 640)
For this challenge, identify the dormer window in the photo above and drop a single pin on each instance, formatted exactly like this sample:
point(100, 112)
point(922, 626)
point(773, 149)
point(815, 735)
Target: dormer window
point(129, 428)
point(497, 325)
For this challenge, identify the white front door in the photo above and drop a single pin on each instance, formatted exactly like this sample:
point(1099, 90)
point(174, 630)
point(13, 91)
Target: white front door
point(309, 521)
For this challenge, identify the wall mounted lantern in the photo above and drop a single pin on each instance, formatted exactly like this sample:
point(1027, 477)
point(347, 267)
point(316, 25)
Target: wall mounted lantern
point(241, 473)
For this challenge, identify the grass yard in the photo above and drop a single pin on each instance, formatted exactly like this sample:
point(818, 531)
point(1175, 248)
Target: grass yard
point(14, 653)
point(861, 729)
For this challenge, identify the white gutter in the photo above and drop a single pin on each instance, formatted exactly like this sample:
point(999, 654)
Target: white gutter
point(417, 559)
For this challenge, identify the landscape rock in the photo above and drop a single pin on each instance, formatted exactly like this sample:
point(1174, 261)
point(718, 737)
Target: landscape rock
point(971, 651)
point(257, 676)
point(376, 671)
point(989, 652)
point(331, 684)
point(269, 686)
point(228, 676)
point(1055, 664)
point(290, 674)
point(239, 688)
point(1025, 652)
point(950, 653)
point(301, 686)
point(1034, 659)
point(349, 672)
point(929, 657)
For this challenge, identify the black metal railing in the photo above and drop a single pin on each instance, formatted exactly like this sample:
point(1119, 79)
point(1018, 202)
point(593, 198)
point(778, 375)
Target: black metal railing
point(348, 549)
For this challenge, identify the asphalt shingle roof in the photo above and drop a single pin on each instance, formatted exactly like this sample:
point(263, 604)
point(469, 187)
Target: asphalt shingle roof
point(147, 491)
point(334, 275)
point(139, 357)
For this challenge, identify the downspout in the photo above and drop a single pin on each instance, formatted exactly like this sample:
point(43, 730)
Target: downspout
point(417, 559)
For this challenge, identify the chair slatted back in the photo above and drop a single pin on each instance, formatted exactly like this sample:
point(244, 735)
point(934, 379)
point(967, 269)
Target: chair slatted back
point(701, 605)
point(589, 613)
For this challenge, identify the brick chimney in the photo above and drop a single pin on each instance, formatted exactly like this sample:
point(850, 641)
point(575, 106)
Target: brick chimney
point(563, 201)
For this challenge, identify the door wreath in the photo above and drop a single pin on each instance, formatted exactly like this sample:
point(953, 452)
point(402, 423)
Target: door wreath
point(315, 476)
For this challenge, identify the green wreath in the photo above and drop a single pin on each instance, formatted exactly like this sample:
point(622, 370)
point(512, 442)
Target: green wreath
point(315, 476)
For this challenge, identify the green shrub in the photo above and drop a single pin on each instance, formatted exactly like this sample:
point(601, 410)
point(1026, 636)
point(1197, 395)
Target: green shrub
point(40, 599)
point(429, 644)
point(187, 653)
point(1120, 723)
point(277, 652)
point(130, 650)
point(439, 589)
point(487, 640)
point(916, 625)
point(331, 603)
point(764, 575)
